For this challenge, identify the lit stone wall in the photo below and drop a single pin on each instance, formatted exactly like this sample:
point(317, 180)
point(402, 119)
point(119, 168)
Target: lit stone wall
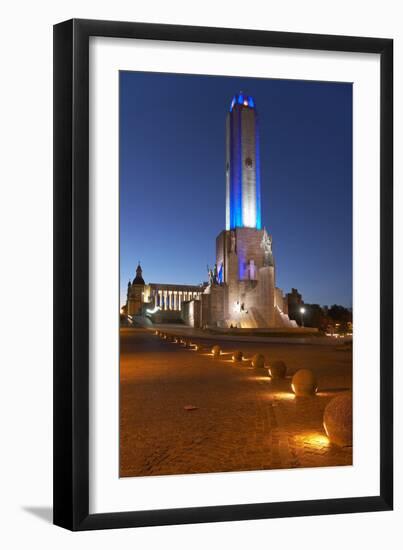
point(247, 298)
point(221, 251)
point(248, 247)
point(135, 300)
point(266, 295)
point(232, 294)
point(213, 305)
point(166, 316)
point(191, 313)
point(249, 287)
point(280, 300)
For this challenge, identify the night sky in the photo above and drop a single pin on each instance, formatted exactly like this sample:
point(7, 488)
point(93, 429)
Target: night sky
point(172, 178)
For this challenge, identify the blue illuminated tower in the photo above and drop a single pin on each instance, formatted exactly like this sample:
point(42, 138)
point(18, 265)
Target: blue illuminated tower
point(243, 204)
point(244, 293)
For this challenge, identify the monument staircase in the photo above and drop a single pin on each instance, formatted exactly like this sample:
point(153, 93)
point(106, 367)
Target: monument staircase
point(282, 319)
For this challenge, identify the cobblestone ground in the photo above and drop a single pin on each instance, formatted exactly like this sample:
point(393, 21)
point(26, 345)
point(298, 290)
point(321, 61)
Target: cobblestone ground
point(181, 411)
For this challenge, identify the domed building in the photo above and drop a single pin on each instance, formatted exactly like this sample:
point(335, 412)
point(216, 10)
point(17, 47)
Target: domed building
point(135, 293)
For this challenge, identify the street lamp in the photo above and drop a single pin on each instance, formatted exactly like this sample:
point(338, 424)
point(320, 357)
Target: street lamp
point(302, 311)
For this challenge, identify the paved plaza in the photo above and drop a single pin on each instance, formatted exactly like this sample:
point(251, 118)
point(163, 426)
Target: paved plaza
point(182, 411)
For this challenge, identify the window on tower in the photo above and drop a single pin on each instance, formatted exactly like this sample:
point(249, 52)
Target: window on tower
point(248, 162)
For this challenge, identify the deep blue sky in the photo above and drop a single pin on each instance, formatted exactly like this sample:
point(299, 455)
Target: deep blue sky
point(172, 178)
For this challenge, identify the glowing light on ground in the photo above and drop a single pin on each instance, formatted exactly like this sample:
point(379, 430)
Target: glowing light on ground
point(262, 378)
point(283, 396)
point(316, 439)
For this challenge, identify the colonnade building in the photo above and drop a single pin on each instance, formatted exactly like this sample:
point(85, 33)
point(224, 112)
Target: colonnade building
point(143, 299)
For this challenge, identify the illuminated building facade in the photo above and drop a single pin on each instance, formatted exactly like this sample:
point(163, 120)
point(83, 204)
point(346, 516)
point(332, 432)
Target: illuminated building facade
point(159, 300)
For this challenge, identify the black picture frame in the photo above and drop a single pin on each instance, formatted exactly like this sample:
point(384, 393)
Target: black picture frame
point(71, 274)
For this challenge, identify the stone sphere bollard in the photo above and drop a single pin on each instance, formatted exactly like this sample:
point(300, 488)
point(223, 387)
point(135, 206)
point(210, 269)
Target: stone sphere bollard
point(199, 347)
point(258, 361)
point(277, 369)
point(216, 351)
point(303, 383)
point(237, 356)
point(338, 420)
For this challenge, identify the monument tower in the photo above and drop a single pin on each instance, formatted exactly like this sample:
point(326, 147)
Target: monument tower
point(243, 291)
point(243, 208)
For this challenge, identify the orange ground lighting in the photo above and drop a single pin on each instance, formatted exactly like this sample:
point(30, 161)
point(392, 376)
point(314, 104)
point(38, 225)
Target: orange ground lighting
point(315, 439)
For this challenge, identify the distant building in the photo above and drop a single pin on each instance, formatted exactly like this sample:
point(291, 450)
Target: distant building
point(163, 302)
point(135, 293)
point(294, 299)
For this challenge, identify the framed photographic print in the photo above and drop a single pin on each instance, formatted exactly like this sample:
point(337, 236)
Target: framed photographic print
point(223, 301)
